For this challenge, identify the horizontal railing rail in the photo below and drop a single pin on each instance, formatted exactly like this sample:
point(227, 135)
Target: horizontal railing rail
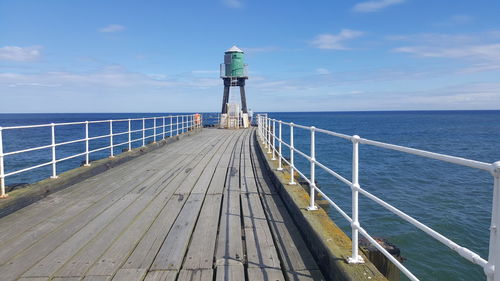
point(162, 127)
point(267, 133)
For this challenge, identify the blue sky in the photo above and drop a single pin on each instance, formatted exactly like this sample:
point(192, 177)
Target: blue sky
point(163, 56)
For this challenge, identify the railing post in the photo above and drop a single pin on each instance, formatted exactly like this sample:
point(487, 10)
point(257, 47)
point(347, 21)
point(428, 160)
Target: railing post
point(292, 165)
point(355, 258)
point(129, 135)
point(274, 140)
point(154, 129)
point(177, 125)
point(87, 154)
point(279, 147)
point(259, 127)
point(494, 247)
point(264, 131)
point(143, 132)
point(163, 127)
point(312, 186)
point(111, 153)
point(2, 171)
point(54, 168)
point(268, 135)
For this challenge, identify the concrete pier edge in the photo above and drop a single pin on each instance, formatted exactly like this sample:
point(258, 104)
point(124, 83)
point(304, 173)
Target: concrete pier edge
point(31, 193)
point(329, 245)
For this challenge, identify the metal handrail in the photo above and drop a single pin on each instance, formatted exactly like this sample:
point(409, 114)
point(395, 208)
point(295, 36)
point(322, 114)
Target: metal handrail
point(269, 137)
point(177, 124)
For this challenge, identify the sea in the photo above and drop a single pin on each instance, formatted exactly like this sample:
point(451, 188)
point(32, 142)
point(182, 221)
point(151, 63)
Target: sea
point(456, 201)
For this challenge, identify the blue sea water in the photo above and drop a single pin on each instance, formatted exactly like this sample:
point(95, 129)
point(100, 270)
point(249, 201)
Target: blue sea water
point(453, 200)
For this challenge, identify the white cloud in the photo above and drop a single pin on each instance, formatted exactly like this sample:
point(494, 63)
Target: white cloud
point(205, 71)
point(266, 49)
point(375, 5)
point(112, 28)
point(14, 53)
point(455, 20)
point(322, 71)
point(233, 3)
point(482, 50)
point(335, 41)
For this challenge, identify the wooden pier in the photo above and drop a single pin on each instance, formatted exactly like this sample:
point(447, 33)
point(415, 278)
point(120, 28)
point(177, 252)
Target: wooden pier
point(198, 209)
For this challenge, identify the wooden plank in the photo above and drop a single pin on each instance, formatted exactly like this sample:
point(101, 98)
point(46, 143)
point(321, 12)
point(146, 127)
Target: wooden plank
point(66, 279)
point(200, 253)
point(217, 185)
point(305, 275)
point(130, 275)
point(174, 247)
point(291, 247)
point(80, 263)
point(48, 265)
point(296, 258)
point(51, 262)
point(25, 260)
point(260, 249)
point(109, 263)
point(201, 250)
point(196, 275)
point(218, 180)
point(205, 169)
point(233, 272)
point(233, 174)
point(27, 238)
point(96, 278)
point(143, 254)
point(229, 244)
point(114, 256)
point(265, 274)
point(162, 275)
point(37, 213)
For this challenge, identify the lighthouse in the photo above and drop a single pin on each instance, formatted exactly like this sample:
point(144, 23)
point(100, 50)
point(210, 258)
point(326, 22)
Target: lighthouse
point(234, 73)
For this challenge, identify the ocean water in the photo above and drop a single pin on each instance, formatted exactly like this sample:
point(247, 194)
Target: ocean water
point(453, 200)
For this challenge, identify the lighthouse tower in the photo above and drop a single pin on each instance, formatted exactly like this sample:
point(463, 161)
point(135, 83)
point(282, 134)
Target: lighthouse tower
point(234, 73)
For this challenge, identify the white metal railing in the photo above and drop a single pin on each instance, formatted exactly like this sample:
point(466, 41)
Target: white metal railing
point(163, 126)
point(267, 134)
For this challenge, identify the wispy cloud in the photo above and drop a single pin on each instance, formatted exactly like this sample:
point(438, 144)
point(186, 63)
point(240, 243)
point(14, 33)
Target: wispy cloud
point(14, 53)
point(375, 5)
point(322, 71)
point(205, 71)
point(335, 41)
point(455, 20)
point(112, 28)
point(483, 50)
point(265, 49)
point(235, 4)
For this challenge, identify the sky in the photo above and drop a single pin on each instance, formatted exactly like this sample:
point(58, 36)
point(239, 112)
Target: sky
point(164, 56)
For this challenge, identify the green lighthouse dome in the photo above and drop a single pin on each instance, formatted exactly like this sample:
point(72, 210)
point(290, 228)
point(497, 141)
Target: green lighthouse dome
point(234, 62)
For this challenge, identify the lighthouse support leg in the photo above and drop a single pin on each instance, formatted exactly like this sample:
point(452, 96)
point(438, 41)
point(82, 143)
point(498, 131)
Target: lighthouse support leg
point(241, 82)
point(225, 98)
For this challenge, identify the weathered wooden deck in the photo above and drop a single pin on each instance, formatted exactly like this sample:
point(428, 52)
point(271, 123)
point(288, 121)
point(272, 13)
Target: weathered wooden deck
point(198, 209)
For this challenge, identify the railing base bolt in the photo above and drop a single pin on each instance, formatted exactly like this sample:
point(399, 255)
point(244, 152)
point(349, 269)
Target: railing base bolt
point(86, 165)
point(279, 169)
point(357, 260)
point(54, 177)
point(4, 196)
point(313, 208)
